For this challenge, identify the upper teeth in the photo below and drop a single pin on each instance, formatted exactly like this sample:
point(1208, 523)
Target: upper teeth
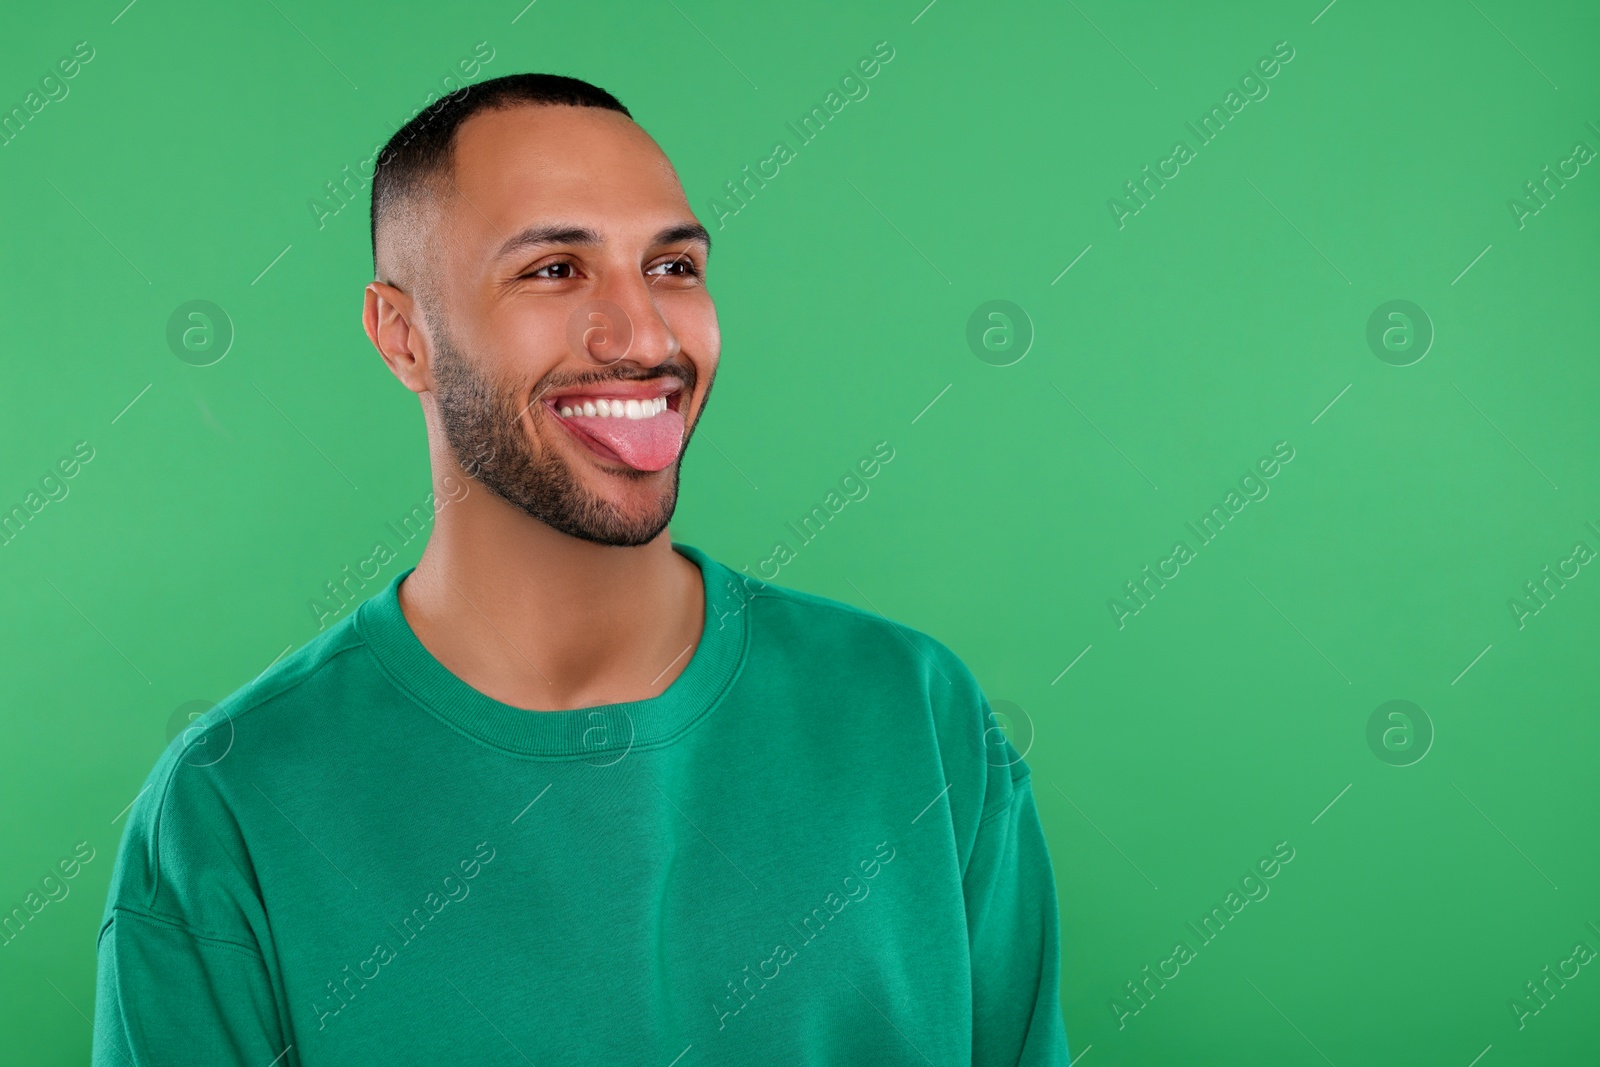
point(628, 409)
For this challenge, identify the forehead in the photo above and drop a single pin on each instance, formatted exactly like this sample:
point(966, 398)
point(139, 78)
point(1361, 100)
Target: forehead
point(582, 165)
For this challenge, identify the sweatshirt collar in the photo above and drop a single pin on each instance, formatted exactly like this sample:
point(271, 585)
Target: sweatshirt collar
point(600, 734)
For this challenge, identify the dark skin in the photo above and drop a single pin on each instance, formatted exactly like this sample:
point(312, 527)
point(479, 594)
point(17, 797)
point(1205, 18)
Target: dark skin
point(528, 615)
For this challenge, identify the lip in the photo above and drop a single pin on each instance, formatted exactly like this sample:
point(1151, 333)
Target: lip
point(671, 388)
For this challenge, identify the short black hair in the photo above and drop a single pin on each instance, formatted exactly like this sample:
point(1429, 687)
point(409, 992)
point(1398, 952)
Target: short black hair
point(420, 150)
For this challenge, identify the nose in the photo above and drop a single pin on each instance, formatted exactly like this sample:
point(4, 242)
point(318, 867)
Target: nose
point(620, 322)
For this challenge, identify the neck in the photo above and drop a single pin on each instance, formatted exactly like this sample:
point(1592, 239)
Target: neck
point(541, 620)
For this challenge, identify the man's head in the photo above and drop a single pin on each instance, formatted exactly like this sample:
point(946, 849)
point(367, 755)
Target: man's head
point(537, 264)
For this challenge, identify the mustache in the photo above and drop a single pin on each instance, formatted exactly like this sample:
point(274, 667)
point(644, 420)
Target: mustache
point(684, 372)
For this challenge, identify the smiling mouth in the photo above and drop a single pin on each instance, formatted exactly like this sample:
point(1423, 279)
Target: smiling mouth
point(640, 427)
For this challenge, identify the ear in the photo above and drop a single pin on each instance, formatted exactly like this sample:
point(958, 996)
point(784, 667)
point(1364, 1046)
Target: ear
point(389, 316)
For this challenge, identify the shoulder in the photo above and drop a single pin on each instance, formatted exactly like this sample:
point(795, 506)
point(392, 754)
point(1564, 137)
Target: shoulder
point(278, 704)
point(916, 674)
point(898, 663)
point(185, 819)
point(813, 625)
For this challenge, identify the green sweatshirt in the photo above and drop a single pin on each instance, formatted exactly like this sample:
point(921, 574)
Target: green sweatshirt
point(814, 848)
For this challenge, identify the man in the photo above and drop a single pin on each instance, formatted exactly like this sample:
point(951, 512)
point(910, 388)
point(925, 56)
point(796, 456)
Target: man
point(568, 791)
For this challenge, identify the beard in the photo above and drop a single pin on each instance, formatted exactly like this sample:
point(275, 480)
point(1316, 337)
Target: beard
point(482, 419)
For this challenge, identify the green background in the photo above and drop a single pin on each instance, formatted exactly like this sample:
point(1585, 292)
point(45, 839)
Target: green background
point(1231, 713)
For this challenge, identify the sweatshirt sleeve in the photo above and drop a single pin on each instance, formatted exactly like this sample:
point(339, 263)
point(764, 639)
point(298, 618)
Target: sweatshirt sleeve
point(167, 994)
point(1014, 939)
point(185, 961)
point(1007, 883)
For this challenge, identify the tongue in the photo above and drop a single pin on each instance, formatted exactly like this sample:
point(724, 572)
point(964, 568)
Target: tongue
point(643, 444)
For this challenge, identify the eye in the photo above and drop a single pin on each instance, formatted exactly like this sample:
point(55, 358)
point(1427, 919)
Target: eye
point(560, 265)
point(681, 267)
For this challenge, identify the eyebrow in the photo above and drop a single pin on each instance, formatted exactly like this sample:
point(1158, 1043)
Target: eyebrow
point(559, 234)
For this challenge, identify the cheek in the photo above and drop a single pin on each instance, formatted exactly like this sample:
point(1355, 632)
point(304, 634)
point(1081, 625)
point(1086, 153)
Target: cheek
point(699, 335)
point(534, 339)
point(702, 325)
